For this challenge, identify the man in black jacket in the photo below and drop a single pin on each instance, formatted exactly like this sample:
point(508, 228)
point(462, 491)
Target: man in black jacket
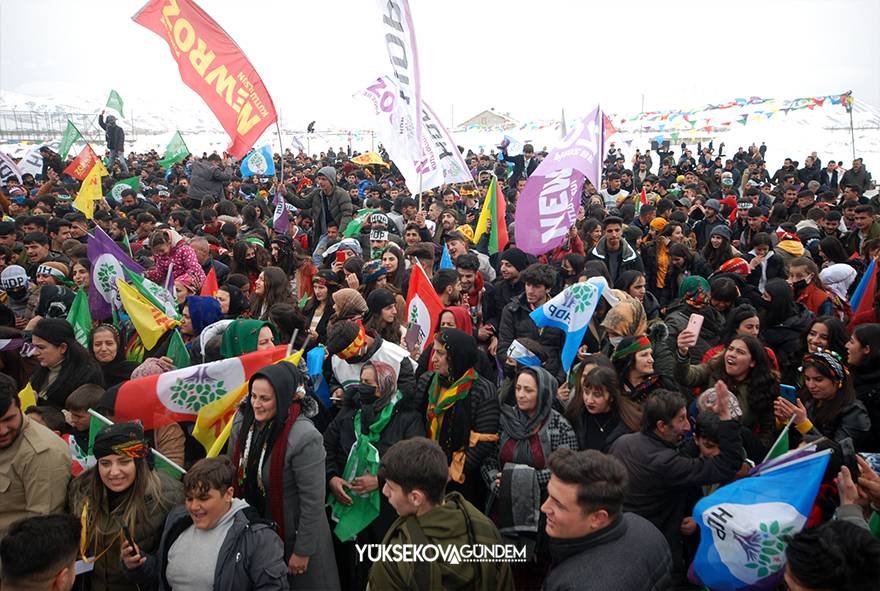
point(614, 251)
point(523, 165)
point(661, 479)
point(115, 137)
point(591, 538)
point(208, 180)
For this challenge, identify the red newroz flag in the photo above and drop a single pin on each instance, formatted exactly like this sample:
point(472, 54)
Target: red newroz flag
point(210, 287)
point(80, 166)
point(213, 65)
point(423, 306)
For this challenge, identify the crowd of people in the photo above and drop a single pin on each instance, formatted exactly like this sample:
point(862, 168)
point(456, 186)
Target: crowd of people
point(726, 318)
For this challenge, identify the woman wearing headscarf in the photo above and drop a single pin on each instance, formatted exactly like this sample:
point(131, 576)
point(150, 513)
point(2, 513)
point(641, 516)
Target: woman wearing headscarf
point(373, 417)
point(246, 336)
point(272, 287)
point(233, 303)
point(461, 409)
point(693, 298)
point(319, 308)
point(516, 471)
point(832, 409)
point(199, 312)
point(627, 318)
point(633, 361)
point(110, 354)
point(279, 455)
point(783, 320)
point(65, 365)
point(348, 304)
point(459, 317)
point(171, 250)
point(122, 489)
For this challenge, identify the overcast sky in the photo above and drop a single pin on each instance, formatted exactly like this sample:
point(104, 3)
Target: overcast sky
point(525, 57)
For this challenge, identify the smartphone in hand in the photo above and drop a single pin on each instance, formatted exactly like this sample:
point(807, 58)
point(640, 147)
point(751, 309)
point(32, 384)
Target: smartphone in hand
point(694, 325)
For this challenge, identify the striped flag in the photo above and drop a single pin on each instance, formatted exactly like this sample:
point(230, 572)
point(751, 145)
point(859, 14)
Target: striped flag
point(493, 220)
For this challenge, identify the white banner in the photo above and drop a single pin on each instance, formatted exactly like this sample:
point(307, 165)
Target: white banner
point(441, 162)
point(400, 42)
point(31, 163)
point(8, 168)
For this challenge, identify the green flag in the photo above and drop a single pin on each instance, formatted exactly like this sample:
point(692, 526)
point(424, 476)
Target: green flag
point(132, 183)
point(175, 152)
point(114, 101)
point(781, 445)
point(70, 137)
point(177, 351)
point(354, 226)
point(303, 301)
point(80, 318)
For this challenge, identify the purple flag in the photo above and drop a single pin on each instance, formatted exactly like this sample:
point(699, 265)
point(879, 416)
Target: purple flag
point(11, 344)
point(280, 219)
point(107, 265)
point(549, 204)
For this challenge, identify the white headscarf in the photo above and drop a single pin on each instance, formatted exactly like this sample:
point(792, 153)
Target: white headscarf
point(838, 278)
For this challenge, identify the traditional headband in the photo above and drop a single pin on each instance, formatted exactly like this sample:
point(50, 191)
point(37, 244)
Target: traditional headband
point(355, 346)
point(830, 361)
point(134, 449)
point(641, 344)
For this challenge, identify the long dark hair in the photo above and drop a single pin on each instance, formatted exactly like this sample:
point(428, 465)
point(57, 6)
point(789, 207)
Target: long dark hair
point(837, 336)
point(598, 377)
point(781, 305)
point(734, 319)
point(833, 250)
point(77, 368)
point(762, 382)
point(869, 336)
point(240, 263)
point(717, 256)
point(827, 412)
point(396, 278)
point(276, 290)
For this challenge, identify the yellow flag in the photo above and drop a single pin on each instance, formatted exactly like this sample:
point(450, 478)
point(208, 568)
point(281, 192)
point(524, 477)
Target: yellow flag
point(485, 213)
point(90, 191)
point(28, 397)
point(369, 158)
point(150, 322)
point(211, 417)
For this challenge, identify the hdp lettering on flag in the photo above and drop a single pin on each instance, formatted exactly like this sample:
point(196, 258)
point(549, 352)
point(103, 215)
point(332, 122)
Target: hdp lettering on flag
point(213, 65)
point(258, 163)
point(550, 201)
point(744, 525)
point(570, 311)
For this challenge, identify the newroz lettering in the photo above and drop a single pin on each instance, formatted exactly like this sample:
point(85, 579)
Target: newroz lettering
point(555, 203)
point(183, 39)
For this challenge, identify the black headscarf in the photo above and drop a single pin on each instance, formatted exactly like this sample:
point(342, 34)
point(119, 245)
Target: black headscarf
point(237, 302)
point(519, 426)
point(461, 351)
point(118, 369)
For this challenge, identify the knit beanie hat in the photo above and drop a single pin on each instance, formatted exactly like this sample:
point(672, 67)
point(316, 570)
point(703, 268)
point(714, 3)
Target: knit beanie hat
point(373, 271)
point(515, 257)
point(345, 338)
point(658, 224)
point(722, 231)
point(379, 299)
point(123, 439)
point(13, 277)
point(150, 367)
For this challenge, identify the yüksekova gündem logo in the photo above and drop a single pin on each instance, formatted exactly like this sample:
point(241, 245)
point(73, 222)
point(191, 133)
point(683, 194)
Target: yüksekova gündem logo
point(435, 552)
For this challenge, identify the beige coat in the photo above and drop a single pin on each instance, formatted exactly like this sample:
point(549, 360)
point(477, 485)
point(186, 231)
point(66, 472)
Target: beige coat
point(34, 472)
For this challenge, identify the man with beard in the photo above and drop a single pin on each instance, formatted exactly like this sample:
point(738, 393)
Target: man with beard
point(445, 282)
point(448, 222)
point(34, 462)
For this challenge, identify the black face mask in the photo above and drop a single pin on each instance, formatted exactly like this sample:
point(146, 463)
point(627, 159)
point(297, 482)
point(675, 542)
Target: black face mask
point(800, 286)
point(366, 394)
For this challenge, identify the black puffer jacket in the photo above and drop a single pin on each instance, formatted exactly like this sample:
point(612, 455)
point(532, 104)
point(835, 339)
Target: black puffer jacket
point(516, 323)
point(867, 385)
point(784, 339)
point(207, 181)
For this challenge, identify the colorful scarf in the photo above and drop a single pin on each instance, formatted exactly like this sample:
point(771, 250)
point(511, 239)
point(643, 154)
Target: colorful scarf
point(830, 361)
point(355, 347)
point(441, 401)
point(639, 344)
point(694, 291)
point(362, 459)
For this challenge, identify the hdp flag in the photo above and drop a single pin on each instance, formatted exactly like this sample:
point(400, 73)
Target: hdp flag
point(70, 137)
point(445, 259)
point(423, 306)
point(114, 101)
point(11, 344)
point(493, 213)
point(89, 192)
point(214, 66)
point(258, 163)
point(866, 285)
point(315, 364)
point(149, 321)
point(108, 264)
point(80, 318)
point(744, 525)
point(216, 410)
point(132, 183)
point(175, 151)
point(571, 312)
point(280, 218)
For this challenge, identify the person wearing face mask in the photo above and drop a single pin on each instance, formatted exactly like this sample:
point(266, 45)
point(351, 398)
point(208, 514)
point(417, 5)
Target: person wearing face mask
point(832, 409)
point(803, 276)
point(22, 295)
point(516, 472)
point(373, 417)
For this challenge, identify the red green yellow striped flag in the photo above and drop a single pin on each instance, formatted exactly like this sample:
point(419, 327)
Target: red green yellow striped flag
point(492, 219)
